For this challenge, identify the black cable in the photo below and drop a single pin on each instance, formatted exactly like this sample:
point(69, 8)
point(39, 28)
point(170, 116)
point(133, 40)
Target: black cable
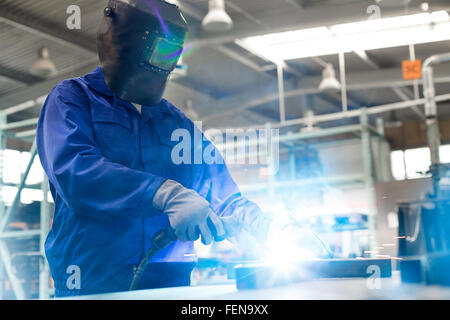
point(161, 240)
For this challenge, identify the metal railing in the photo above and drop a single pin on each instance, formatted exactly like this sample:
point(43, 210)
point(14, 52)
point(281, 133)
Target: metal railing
point(6, 267)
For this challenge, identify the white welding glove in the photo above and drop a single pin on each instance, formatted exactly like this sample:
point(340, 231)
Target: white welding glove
point(189, 214)
point(247, 216)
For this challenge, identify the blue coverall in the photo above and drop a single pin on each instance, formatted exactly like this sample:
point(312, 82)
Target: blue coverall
point(105, 161)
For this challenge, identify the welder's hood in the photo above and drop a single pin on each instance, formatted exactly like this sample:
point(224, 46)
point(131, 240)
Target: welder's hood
point(139, 43)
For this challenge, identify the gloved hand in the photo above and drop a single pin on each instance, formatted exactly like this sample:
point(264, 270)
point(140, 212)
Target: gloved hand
point(249, 217)
point(189, 214)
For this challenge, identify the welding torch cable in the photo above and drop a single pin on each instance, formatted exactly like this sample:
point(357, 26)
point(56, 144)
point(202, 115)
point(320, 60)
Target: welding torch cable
point(315, 235)
point(323, 243)
point(161, 240)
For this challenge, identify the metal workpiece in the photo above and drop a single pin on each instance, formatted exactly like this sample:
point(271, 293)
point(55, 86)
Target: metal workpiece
point(257, 276)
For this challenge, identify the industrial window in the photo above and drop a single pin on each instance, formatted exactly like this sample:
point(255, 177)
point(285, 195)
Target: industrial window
point(14, 165)
point(413, 163)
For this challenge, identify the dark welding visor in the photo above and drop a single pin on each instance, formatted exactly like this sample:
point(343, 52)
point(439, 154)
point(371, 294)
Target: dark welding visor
point(163, 54)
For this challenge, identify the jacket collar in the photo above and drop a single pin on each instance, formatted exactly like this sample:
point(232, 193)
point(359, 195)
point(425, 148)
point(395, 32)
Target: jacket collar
point(96, 81)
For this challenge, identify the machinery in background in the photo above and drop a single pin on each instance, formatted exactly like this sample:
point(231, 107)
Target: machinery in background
point(344, 230)
point(25, 252)
point(305, 166)
point(424, 225)
point(345, 233)
point(306, 226)
point(424, 237)
point(297, 247)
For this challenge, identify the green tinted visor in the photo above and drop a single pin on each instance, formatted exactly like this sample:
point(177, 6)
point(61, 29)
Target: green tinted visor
point(165, 54)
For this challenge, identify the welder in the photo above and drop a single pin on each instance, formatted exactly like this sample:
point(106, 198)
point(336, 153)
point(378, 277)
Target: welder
point(104, 141)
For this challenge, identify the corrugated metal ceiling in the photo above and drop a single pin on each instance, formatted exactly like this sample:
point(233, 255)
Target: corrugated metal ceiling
point(210, 70)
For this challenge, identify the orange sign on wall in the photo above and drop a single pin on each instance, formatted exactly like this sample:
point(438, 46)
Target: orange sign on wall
point(412, 70)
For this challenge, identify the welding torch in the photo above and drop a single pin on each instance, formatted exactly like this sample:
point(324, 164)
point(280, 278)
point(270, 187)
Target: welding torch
point(161, 240)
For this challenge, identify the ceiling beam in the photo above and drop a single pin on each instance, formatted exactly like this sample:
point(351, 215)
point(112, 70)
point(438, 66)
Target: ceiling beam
point(38, 86)
point(43, 87)
point(242, 59)
point(176, 93)
point(402, 93)
point(247, 15)
point(18, 76)
point(309, 85)
point(35, 25)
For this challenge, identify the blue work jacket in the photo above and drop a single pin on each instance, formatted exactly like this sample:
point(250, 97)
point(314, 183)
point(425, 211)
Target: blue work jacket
point(104, 161)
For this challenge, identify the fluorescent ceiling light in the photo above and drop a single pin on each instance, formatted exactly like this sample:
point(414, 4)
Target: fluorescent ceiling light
point(270, 44)
point(364, 35)
point(298, 35)
point(382, 24)
point(440, 16)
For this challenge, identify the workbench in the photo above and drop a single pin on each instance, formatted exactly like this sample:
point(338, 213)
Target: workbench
point(329, 289)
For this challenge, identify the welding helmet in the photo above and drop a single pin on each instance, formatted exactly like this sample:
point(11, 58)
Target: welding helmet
point(139, 43)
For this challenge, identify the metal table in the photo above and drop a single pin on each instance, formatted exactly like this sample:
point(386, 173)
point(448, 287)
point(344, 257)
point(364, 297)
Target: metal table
point(330, 289)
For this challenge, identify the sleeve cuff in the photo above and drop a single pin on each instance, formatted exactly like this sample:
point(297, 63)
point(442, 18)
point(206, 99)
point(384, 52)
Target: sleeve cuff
point(147, 199)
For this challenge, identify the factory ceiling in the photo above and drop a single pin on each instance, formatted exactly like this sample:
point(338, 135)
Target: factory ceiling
point(225, 83)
